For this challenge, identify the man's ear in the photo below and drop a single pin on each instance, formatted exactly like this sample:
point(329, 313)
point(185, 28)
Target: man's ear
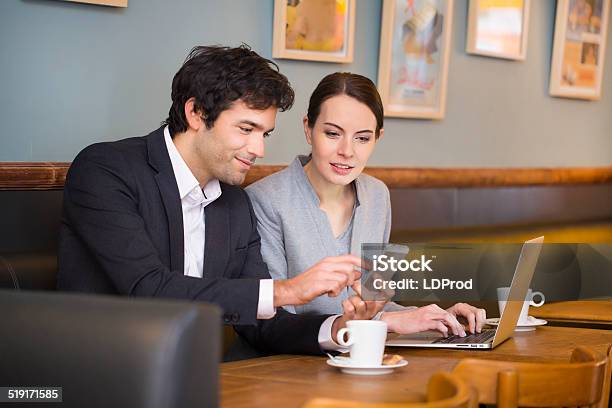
point(307, 132)
point(193, 116)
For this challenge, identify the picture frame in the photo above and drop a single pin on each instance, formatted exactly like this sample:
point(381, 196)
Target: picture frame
point(415, 47)
point(579, 48)
point(314, 30)
point(498, 28)
point(113, 3)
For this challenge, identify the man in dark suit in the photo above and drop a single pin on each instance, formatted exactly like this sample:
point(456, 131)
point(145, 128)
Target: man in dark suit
point(163, 215)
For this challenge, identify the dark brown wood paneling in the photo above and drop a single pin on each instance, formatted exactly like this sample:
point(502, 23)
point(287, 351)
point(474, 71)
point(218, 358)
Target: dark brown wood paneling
point(489, 177)
point(51, 176)
point(33, 175)
point(258, 172)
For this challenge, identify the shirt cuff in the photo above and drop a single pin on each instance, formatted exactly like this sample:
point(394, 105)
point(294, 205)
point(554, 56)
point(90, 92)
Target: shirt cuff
point(325, 336)
point(265, 306)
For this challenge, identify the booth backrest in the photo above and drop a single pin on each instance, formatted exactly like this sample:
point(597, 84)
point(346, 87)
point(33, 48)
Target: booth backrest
point(109, 351)
point(28, 243)
point(30, 214)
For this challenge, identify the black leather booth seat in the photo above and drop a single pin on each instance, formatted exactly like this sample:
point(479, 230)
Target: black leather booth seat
point(29, 225)
point(110, 351)
point(28, 270)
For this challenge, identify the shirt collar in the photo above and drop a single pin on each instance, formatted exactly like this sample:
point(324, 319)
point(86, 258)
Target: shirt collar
point(187, 183)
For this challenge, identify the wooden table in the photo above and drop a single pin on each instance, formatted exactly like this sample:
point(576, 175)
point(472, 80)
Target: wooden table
point(289, 381)
point(578, 313)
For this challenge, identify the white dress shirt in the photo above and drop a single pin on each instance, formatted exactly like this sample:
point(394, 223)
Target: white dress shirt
point(193, 201)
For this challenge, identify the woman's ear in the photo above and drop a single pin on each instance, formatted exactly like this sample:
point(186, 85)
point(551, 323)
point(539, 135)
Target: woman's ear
point(194, 117)
point(307, 130)
point(381, 133)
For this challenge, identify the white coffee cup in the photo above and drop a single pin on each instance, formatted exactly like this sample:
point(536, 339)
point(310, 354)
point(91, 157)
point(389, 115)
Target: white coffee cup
point(366, 341)
point(502, 297)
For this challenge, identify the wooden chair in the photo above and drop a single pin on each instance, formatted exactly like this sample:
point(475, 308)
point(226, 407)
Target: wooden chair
point(580, 382)
point(606, 399)
point(443, 391)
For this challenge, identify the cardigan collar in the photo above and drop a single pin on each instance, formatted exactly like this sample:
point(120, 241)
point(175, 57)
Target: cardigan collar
point(297, 169)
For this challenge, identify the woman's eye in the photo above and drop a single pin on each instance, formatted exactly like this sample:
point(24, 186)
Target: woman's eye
point(363, 139)
point(331, 133)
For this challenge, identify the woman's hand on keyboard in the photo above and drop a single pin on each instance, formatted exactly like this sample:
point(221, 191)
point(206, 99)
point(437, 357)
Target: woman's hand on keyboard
point(431, 317)
point(474, 316)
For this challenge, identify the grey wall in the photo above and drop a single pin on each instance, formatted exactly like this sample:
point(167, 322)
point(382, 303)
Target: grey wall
point(73, 74)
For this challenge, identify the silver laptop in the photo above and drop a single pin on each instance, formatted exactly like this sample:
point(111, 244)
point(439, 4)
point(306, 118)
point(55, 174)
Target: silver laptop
point(488, 338)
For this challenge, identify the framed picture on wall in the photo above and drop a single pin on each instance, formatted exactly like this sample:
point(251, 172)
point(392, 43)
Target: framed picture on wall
point(498, 28)
point(114, 3)
point(577, 65)
point(415, 43)
point(314, 30)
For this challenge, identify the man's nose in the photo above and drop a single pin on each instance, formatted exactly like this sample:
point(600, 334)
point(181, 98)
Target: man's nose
point(256, 146)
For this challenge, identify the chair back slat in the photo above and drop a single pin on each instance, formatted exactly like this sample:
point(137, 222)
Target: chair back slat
point(507, 389)
point(577, 383)
point(606, 399)
point(444, 390)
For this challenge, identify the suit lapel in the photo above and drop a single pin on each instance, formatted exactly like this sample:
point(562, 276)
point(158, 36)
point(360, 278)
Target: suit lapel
point(217, 237)
point(168, 189)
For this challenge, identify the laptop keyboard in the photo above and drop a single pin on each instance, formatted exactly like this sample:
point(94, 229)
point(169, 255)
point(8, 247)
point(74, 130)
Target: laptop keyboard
point(481, 337)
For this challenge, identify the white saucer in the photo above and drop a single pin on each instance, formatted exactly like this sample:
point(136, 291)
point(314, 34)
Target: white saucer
point(346, 366)
point(530, 325)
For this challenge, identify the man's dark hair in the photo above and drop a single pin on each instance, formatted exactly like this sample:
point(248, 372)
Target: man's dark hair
point(218, 76)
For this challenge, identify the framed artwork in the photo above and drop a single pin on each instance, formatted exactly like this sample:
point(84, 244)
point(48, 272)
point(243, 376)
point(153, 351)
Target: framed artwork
point(314, 30)
point(579, 48)
point(498, 28)
point(114, 3)
point(415, 42)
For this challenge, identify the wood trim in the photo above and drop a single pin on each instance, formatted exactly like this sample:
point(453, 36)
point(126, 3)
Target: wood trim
point(260, 171)
point(396, 177)
point(51, 176)
point(33, 175)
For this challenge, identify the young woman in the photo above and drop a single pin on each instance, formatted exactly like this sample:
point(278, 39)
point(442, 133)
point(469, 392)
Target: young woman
point(322, 205)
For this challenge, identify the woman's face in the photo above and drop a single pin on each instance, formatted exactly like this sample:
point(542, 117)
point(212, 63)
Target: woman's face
point(342, 139)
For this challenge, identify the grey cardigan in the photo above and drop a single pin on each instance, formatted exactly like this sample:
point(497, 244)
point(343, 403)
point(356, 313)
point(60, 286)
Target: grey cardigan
point(296, 233)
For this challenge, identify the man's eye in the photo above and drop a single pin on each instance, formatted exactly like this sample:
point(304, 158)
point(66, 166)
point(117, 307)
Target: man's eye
point(246, 130)
point(267, 134)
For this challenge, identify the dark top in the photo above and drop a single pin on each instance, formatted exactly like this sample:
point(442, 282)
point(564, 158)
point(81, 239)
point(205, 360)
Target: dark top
point(122, 233)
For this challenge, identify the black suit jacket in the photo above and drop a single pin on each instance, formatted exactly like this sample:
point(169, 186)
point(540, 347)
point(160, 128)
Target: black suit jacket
point(122, 233)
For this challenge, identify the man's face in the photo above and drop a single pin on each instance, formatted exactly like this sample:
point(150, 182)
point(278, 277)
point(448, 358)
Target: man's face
point(229, 149)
